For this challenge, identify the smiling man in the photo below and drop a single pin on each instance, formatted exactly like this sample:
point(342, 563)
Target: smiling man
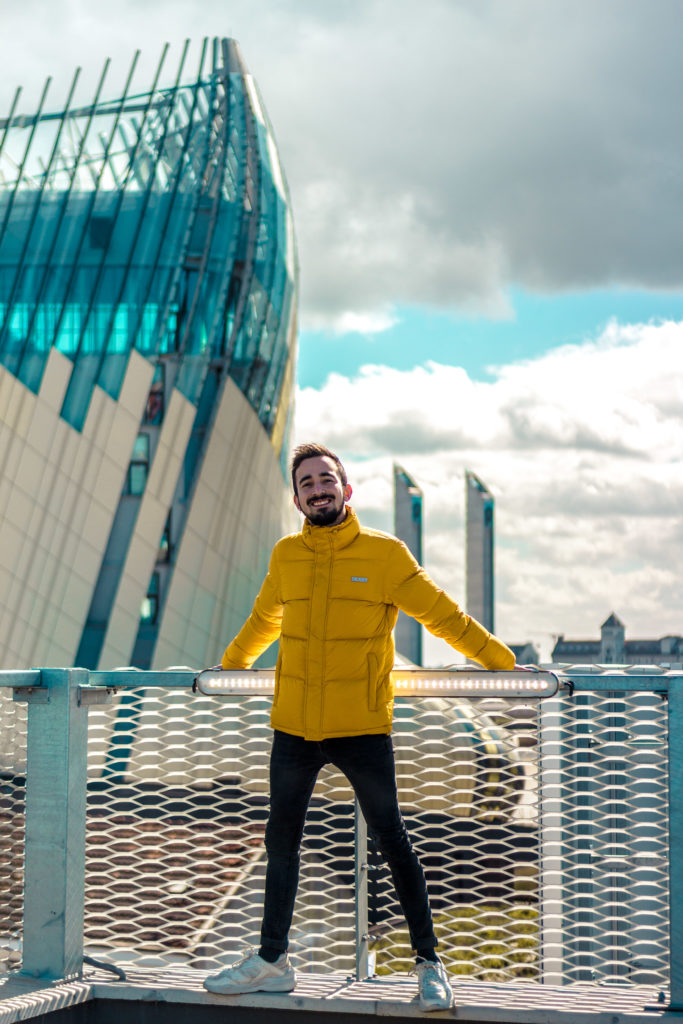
point(320, 487)
point(331, 596)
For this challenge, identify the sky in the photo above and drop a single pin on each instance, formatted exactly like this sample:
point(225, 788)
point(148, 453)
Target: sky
point(487, 198)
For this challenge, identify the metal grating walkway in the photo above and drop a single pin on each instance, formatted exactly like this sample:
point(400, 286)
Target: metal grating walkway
point(389, 998)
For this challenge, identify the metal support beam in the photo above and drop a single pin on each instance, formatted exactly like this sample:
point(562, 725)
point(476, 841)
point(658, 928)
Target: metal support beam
point(676, 840)
point(55, 828)
point(361, 895)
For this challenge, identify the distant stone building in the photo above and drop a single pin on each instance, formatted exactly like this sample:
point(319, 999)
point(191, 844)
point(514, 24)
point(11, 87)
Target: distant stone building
point(614, 649)
point(525, 654)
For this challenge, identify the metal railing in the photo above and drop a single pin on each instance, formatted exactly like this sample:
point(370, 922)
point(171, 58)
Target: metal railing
point(13, 722)
point(549, 830)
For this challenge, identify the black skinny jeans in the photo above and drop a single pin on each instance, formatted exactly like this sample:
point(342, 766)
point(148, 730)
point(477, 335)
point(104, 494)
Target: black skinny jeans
point(368, 764)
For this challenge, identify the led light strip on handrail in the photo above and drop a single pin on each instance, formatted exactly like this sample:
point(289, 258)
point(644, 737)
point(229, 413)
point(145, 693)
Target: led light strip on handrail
point(470, 682)
point(218, 682)
point(408, 682)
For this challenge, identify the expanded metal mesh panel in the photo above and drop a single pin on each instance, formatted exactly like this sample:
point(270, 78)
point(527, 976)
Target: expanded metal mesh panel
point(13, 718)
point(468, 791)
point(605, 848)
point(567, 882)
point(175, 861)
point(177, 805)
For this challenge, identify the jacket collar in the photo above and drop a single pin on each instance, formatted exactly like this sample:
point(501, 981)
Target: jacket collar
point(338, 536)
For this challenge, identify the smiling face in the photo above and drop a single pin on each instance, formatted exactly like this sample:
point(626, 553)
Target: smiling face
point(320, 494)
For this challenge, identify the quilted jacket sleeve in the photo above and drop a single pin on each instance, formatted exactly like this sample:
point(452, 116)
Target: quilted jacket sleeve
point(262, 627)
point(414, 592)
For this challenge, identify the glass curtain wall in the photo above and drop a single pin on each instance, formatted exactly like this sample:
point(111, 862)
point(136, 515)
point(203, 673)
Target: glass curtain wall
point(158, 221)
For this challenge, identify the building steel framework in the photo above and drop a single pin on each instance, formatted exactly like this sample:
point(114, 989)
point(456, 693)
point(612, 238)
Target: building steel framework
point(157, 221)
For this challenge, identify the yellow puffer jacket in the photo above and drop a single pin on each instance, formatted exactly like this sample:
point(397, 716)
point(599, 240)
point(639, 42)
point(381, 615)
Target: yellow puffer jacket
point(332, 595)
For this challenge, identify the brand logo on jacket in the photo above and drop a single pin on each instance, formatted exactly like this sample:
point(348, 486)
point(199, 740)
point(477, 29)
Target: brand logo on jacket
point(359, 579)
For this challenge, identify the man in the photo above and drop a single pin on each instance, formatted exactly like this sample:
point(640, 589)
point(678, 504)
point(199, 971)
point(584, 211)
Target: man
point(331, 596)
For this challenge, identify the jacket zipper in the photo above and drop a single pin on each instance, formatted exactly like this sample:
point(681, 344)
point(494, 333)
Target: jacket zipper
point(324, 632)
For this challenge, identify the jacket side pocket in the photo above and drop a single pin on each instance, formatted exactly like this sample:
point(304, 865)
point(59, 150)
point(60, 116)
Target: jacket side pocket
point(278, 669)
point(372, 682)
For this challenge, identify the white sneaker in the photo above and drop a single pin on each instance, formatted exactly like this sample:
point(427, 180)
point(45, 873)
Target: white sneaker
point(433, 988)
point(253, 974)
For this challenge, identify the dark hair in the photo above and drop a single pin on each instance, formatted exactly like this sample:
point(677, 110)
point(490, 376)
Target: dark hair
point(313, 451)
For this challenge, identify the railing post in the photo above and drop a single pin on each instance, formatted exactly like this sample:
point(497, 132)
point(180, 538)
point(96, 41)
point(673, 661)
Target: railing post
point(361, 893)
point(55, 827)
point(552, 823)
point(675, 714)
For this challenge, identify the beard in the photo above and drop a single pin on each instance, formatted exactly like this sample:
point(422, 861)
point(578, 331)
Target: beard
point(324, 516)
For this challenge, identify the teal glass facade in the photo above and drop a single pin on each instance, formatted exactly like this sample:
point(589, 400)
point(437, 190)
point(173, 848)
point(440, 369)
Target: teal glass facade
point(158, 222)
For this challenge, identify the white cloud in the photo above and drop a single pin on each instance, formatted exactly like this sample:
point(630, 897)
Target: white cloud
point(583, 449)
point(436, 153)
point(365, 322)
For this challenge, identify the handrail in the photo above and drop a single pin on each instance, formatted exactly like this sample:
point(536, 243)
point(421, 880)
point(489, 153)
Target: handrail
point(21, 678)
point(132, 678)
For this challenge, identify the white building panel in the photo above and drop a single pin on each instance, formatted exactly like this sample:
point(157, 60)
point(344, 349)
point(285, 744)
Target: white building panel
point(142, 553)
point(59, 493)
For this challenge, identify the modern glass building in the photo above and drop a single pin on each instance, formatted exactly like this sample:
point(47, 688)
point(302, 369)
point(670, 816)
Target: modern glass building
point(147, 356)
point(408, 500)
point(479, 551)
